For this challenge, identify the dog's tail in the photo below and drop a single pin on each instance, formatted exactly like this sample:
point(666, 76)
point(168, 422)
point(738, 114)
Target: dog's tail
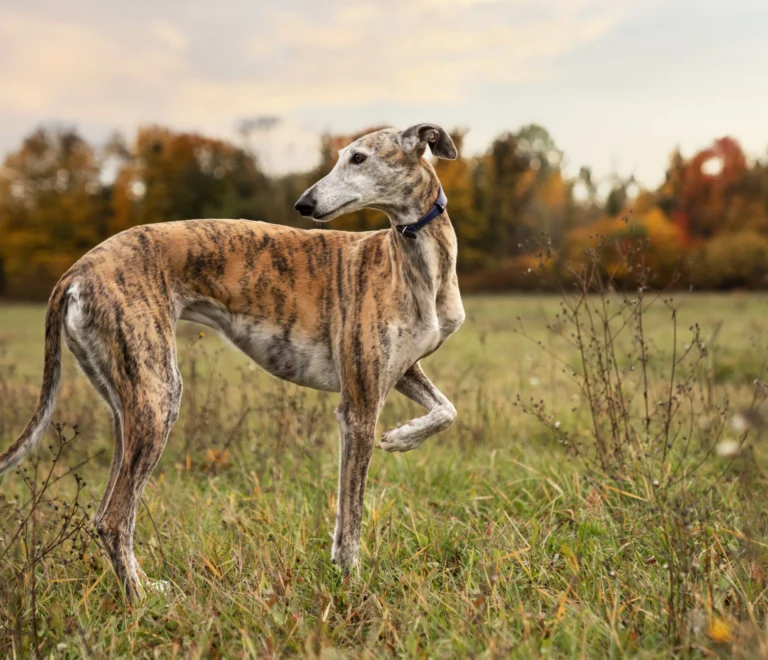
point(31, 435)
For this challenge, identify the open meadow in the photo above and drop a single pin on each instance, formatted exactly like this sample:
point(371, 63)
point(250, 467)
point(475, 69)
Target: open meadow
point(617, 511)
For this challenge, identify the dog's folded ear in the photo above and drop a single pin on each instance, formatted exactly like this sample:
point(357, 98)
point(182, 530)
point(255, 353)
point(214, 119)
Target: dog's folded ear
point(416, 138)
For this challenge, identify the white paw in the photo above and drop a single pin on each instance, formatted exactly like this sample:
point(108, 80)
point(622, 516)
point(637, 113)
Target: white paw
point(347, 559)
point(160, 587)
point(397, 440)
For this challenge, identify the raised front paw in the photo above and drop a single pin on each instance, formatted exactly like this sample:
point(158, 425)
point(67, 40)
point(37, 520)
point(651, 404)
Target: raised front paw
point(399, 439)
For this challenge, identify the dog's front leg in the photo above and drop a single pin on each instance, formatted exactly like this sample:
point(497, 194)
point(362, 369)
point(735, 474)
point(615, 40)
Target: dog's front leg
point(416, 386)
point(357, 428)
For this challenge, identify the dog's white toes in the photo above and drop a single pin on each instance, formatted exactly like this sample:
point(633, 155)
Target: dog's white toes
point(387, 446)
point(161, 587)
point(391, 442)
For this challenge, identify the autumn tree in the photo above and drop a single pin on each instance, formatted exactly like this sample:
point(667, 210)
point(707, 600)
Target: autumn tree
point(536, 145)
point(52, 210)
point(469, 224)
point(179, 176)
point(515, 168)
point(696, 193)
point(549, 209)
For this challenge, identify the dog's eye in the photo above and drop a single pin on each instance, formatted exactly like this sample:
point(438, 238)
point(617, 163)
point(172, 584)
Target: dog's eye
point(357, 158)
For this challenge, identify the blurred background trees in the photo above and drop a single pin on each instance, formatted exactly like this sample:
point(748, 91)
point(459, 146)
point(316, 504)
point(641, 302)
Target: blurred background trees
point(60, 196)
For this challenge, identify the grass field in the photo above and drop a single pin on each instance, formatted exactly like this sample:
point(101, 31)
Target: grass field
point(494, 539)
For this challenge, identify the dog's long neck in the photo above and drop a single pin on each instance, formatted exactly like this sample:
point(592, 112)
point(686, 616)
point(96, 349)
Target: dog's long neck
point(426, 263)
point(419, 197)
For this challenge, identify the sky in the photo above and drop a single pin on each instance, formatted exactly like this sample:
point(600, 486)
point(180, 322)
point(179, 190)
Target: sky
point(618, 83)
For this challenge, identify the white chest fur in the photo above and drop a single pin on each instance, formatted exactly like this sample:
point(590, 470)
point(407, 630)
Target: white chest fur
point(428, 333)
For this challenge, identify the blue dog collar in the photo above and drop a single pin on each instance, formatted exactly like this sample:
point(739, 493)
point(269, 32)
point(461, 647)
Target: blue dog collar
point(438, 208)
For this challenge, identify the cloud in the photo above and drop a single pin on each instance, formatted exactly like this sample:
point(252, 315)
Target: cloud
point(169, 35)
point(53, 66)
point(180, 67)
point(359, 53)
point(422, 51)
point(598, 73)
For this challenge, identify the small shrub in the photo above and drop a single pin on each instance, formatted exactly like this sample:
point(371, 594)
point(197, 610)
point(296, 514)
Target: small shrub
point(733, 260)
point(664, 247)
point(648, 440)
point(38, 536)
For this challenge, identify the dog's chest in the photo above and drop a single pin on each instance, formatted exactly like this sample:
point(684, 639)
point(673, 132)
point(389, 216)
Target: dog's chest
point(428, 334)
point(425, 338)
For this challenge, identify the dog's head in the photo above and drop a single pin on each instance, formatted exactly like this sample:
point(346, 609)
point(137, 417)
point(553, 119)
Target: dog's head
point(379, 170)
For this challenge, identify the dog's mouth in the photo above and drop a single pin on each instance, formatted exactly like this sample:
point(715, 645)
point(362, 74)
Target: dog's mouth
point(325, 217)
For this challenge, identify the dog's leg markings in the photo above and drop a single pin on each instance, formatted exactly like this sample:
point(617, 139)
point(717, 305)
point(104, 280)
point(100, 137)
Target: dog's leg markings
point(146, 430)
point(416, 386)
point(94, 360)
point(356, 439)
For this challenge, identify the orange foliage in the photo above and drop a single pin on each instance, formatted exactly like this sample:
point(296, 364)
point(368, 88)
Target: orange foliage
point(173, 176)
point(667, 242)
point(51, 210)
point(703, 186)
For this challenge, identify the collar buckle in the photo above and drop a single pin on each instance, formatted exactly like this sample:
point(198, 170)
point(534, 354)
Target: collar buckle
point(406, 231)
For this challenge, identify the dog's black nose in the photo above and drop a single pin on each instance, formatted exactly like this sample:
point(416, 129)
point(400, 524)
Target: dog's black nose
point(305, 205)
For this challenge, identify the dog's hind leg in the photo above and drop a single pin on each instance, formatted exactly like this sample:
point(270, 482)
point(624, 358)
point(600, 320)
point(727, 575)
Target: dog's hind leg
point(416, 386)
point(147, 420)
point(91, 358)
point(132, 364)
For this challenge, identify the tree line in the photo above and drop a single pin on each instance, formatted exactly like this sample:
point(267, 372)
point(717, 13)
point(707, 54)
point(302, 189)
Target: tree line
point(706, 225)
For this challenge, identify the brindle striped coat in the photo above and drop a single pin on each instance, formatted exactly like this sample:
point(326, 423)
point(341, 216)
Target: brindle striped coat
point(338, 311)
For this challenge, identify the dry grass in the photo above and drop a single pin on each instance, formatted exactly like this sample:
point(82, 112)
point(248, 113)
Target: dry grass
point(501, 537)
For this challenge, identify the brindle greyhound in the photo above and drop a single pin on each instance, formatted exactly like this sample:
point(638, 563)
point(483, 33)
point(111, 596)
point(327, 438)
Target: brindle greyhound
point(339, 311)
